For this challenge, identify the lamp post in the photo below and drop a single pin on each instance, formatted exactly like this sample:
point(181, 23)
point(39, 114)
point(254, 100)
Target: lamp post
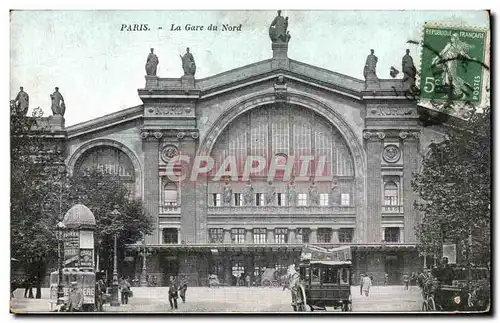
point(144, 281)
point(60, 291)
point(114, 285)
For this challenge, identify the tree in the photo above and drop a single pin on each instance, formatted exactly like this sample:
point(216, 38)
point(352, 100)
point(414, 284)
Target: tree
point(37, 172)
point(454, 187)
point(101, 193)
point(42, 192)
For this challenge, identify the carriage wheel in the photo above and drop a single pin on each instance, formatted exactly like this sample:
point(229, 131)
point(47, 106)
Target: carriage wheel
point(425, 307)
point(301, 308)
point(266, 283)
point(431, 304)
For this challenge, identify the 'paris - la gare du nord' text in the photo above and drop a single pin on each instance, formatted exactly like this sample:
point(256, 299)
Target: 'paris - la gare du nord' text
point(186, 27)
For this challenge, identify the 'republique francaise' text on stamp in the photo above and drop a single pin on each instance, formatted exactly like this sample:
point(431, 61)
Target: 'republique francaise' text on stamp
point(452, 65)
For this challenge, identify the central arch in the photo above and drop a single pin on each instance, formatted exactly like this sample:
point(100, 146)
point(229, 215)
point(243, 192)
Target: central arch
point(298, 99)
point(331, 115)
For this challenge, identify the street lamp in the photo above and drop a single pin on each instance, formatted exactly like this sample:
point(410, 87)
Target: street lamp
point(144, 281)
point(60, 291)
point(114, 286)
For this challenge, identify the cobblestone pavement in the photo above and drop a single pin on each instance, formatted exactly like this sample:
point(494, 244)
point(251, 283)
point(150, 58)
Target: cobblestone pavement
point(238, 300)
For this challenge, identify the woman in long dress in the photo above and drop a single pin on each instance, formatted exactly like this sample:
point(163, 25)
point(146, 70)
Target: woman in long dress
point(366, 284)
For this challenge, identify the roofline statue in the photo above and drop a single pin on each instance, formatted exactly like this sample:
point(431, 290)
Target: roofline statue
point(278, 29)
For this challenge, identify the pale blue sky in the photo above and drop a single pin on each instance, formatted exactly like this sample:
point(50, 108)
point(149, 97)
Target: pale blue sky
point(98, 68)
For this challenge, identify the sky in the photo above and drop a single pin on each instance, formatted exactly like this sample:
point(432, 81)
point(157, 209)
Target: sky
point(98, 68)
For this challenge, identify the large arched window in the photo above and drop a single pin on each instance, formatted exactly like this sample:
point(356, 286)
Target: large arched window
point(109, 160)
point(170, 194)
point(295, 131)
point(391, 194)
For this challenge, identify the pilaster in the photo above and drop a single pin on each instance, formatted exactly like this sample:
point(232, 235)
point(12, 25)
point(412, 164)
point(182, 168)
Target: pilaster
point(411, 161)
point(314, 235)
point(150, 146)
point(373, 141)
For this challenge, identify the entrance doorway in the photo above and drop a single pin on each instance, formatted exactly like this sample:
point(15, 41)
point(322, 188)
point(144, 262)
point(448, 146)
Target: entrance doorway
point(394, 268)
point(169, 267)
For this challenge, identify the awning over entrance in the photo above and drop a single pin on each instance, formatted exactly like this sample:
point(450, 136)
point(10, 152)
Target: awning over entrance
point(269, 247)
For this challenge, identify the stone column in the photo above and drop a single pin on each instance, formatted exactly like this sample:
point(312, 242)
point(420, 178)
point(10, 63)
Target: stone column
point(411, 160)
point(151, 181)
point(373, 142)
point(335, 236)
point(227, 236)
point(248, 236)
point(270, 235)
point(314, 235)
point(292, 235)
point(402, 235)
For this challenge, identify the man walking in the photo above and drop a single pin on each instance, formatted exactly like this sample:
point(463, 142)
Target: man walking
point(125, 288)
point(183, 288)
point(386, 279)
point(406, 280)
point(173, 293)
point(366, 284)
point(361, 284)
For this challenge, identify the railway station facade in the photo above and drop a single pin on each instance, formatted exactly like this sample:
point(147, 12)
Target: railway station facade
point(361, 142)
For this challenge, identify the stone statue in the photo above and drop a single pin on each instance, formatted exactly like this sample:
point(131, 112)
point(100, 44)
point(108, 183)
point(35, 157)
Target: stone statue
point(335, 193)
point(227, 194)
point(314, 194)
point(409, 70)
point(248, 194)
point(292, 194)
point(58, 107)
point(22, 102)
point(370, 70)
point(188, 63)
point(270, 194)
point(278, 29)
point(151, 63)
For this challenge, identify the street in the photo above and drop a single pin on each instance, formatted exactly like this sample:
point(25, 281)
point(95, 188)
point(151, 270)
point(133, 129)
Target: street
point(237, 300)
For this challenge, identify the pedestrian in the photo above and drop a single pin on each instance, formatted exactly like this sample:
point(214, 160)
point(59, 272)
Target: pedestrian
point(413, 279)
point(366, 284)
point(406, 280)
point(361, 284)
point(28, 288)
point(371, 278)
point(247, 279)
point(125, 289)
point(183, 288)
point(100, 290)
point(173, 293)
point(75, 299)
point(386, 279)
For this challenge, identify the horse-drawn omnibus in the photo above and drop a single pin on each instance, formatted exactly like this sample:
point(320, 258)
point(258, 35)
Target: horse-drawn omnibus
point(323, 280)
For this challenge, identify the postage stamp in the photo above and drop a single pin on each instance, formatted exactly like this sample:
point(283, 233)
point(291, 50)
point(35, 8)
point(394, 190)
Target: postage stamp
point(453, 69)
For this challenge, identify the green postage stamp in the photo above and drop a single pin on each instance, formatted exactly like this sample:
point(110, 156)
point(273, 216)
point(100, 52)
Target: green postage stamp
point(454, 69)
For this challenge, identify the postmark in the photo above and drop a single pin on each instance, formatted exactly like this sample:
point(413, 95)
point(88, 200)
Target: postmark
point(453, 72)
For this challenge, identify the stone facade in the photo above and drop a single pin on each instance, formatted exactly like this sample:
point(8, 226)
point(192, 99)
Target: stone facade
point(383, 139)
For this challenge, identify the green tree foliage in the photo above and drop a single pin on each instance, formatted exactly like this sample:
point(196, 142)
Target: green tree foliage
point(42, 192)
point(454, 187)
point(101, 193)
point(37, 171)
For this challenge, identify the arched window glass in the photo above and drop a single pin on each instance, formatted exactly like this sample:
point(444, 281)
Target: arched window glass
point(170, 194)
point(391, 196)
